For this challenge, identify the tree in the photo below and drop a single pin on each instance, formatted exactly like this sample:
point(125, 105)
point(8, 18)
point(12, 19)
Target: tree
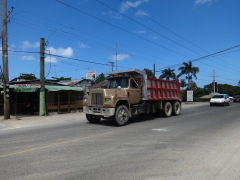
point(168, 73)
point(27, 76)
point(149, 73)
point(183, 83)
point(62, 78)
point(101, 77)
point(189, 71)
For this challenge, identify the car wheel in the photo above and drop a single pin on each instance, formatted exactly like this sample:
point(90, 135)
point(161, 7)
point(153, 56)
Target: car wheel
point(121, 115)
point(176, 108)
point(167, 109)
point(93, 118)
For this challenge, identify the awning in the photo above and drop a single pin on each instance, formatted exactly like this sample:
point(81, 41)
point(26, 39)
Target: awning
point(62, 88)
point(23, 89)
point(32, 88)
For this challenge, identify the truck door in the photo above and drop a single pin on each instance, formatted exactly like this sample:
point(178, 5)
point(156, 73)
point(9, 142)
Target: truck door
point(134, 92)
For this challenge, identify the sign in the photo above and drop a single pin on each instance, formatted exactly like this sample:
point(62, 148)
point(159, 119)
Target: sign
point(91, 75)
point(28, 85)
point(189, 96)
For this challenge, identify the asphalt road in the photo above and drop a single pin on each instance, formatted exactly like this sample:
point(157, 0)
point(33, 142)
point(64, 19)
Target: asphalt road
point(201, 143)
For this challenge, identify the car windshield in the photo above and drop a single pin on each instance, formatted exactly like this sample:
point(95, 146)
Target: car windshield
point(237, 96)
point(218, 96)
point(114, 83)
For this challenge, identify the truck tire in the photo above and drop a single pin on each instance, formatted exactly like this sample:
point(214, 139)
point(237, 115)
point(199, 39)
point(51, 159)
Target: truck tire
point(167, 109)
point(93, 118)
point(176, 108)
point(121, 115)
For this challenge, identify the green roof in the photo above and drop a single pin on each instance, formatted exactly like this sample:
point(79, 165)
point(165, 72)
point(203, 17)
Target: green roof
point(47, 87)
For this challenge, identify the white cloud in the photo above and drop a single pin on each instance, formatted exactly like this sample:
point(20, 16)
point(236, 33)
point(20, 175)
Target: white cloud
point(28, 58)
point(119, 57)
point(153, 37)
point(50, 59)
point(68, 52)
point(201, 2)
point(141, 32)
point(141, 13)
point(26, 45)
point(125, 6)
point(111, 14)
point(82, 45)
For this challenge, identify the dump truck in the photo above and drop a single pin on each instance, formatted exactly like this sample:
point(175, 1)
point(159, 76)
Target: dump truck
point(131, 93)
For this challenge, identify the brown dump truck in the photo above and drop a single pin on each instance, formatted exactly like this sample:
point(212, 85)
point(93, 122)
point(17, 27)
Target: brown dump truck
point(131, 93)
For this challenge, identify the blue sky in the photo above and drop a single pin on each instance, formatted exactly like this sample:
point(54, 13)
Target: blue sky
point(141, 32)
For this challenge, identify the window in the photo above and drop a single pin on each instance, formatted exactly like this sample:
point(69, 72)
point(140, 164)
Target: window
point(133, 84)
point(114, 83)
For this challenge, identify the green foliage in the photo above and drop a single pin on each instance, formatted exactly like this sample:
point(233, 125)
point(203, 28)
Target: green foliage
point(188, 70)
point(27, 76)
point(168, 74)
point(225, 89)
point(183, 83)
point(197, 99)
point(101, 77)
point(149, 73)
point(61, 78)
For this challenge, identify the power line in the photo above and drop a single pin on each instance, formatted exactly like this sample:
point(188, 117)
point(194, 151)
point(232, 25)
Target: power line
point(105, 48)
point(207, 56)
point(127, 4)
point(146, 27)
point(121, 28)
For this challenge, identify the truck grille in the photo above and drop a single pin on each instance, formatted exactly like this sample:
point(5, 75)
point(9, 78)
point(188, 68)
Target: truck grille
point(96, 99)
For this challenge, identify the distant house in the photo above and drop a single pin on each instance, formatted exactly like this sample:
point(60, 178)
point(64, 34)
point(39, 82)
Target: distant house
point(83, 83)
point(102, 84)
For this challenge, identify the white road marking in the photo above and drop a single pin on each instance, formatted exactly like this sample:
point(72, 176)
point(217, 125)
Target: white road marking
point(159, 129)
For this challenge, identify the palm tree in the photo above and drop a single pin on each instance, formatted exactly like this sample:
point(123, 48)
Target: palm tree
point(183, 83)
point(189, 71)
point(168, 73)
point(149, 73)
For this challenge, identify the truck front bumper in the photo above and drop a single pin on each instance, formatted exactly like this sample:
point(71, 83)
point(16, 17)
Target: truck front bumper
point(106, 112)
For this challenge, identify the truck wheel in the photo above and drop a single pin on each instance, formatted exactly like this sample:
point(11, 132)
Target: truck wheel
point(93, 118)
point(121, 115)
point(167, 109)
point(176, 108)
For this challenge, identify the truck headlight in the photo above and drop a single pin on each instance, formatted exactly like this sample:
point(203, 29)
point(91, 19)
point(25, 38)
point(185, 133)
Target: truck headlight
point(108, 100)
point(85, 100)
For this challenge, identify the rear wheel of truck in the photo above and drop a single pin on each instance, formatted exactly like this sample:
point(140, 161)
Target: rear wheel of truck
point(93, 118)
point(167, 109)
point(176, 108)
point(121, 115)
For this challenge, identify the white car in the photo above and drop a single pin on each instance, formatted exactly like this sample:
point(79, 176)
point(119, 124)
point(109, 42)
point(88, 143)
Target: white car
point(220, 99)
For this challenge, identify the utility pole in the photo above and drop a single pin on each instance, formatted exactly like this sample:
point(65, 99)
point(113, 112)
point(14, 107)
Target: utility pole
point(5, 61)
point(116, 54)
point(42, 108)
point(154, 70)
point(112, 63)
point(213, 81)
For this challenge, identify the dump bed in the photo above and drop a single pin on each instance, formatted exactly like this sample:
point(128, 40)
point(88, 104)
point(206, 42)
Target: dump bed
point(152, 88)
point(159, 89)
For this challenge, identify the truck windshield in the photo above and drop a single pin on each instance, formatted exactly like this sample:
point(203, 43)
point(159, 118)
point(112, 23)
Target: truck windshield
point(114, 83)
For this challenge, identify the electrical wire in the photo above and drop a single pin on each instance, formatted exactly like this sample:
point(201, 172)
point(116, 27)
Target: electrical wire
point(127, 4)
point(121, 29)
